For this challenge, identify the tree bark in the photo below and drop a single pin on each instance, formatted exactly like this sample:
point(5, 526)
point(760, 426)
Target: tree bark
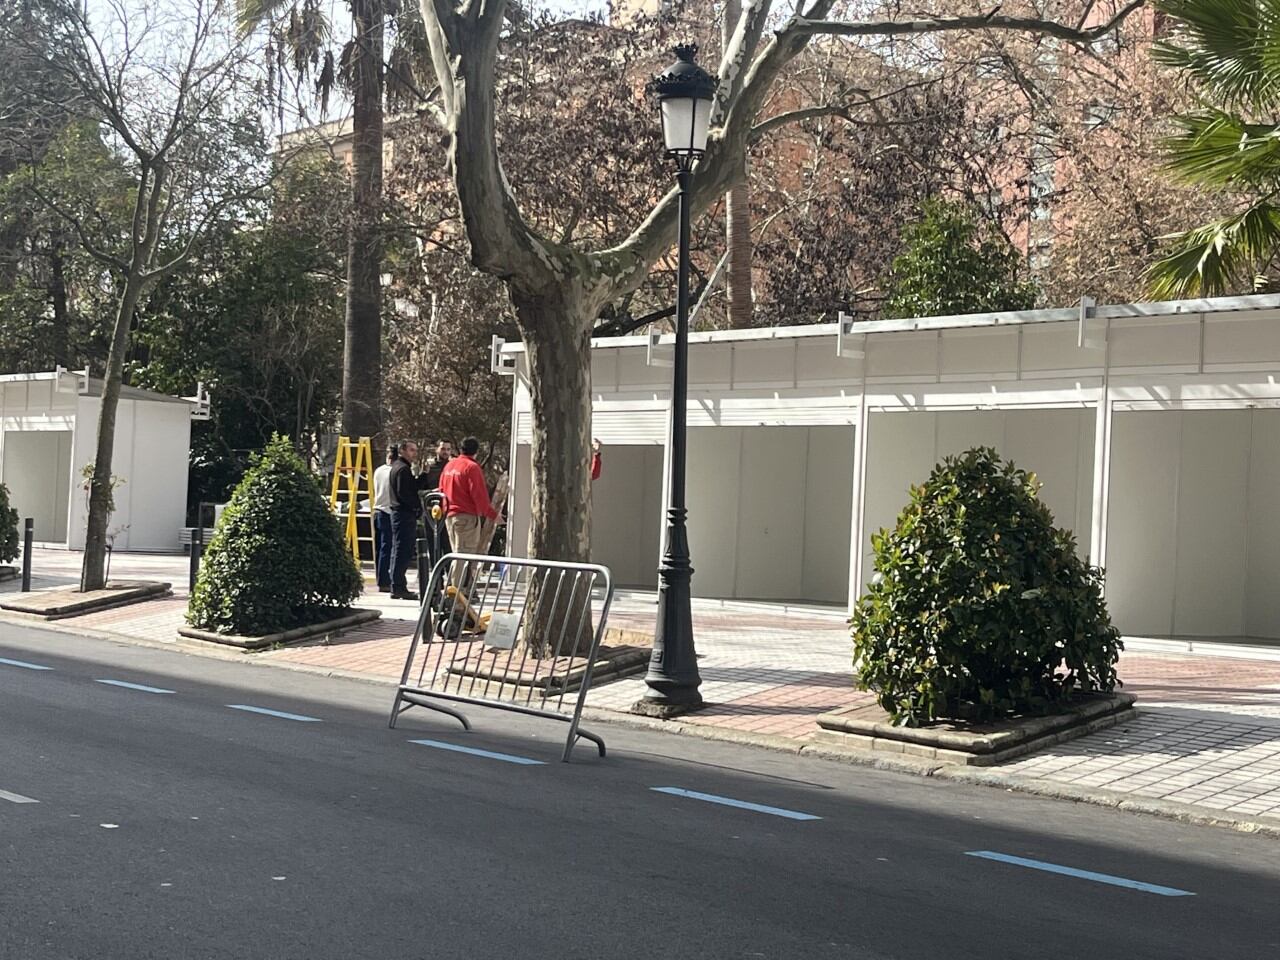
point(556, 329)
point(737, 213)
point(93, 572)
point(362, 347)
point(738, 239)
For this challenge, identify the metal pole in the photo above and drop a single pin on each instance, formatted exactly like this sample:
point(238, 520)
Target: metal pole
point(673, 678)
point(28, 539)
point(197, 548)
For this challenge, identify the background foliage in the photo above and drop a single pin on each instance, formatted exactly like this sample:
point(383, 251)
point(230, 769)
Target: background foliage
point(952, 264)
point(9, 542)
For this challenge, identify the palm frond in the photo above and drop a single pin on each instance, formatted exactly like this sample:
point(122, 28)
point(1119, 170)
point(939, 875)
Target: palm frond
point(252, 14)
point(1210, 259)
point(1217, 149)
point(1230, 47)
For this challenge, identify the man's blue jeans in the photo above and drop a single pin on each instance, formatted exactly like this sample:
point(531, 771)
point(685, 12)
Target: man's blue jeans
point(404, 541)
point(382, 556)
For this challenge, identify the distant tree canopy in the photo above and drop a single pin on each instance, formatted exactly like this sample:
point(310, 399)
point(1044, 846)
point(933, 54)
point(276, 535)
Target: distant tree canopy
point(952, 264)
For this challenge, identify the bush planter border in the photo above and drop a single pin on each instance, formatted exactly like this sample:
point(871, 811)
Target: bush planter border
point(49, 604)
point(352, 618)
point(868, 727)
point(8, 573)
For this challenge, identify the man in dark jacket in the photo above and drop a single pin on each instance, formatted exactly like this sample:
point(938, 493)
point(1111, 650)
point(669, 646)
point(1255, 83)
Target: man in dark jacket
point(435, 466)
point(406, 506)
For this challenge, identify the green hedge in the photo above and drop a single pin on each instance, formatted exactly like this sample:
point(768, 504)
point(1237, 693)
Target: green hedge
point(980, 606)
point(9, 542)
point(278, 559)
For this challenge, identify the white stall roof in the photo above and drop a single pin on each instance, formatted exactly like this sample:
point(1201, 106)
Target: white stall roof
point(70, 381)
point(1116, 311)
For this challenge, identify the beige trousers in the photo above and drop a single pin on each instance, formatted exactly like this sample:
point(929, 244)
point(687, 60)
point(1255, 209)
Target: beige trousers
point(467, 534)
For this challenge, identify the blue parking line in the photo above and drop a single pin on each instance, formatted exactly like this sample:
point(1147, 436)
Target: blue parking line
point(476, 752)
point(23, 664)
point(1080, 874)
point(740, 804)
point(132, 686)
point(273, 713)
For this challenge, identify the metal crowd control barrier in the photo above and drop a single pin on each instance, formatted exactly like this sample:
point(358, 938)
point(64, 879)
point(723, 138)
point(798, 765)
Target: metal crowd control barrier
point(511, 634)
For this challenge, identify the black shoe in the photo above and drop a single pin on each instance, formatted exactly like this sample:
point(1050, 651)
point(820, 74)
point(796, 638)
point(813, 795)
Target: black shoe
point(403, 595)
point(382, 589)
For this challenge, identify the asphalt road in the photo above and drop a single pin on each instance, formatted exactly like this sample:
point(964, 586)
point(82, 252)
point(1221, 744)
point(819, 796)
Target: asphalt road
point(171, 825)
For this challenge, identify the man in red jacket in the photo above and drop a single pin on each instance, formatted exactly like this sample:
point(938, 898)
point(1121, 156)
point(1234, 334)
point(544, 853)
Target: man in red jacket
point(462, 481)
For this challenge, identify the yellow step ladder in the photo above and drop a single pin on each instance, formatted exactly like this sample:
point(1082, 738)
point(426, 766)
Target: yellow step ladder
point(352, 481)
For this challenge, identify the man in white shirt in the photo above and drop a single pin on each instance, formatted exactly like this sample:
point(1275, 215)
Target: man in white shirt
point(382, 521)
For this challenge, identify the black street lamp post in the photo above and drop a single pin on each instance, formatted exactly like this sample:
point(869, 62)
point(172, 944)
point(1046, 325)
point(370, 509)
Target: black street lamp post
point(684, 94)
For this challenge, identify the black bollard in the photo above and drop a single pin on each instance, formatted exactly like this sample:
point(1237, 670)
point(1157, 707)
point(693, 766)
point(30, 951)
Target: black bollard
point(197, 548)
point(28, 538)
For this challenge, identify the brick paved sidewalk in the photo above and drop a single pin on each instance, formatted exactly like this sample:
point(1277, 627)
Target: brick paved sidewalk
point(1208, 731)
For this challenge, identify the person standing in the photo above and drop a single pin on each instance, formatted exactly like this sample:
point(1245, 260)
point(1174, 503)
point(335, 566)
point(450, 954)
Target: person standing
point(463, 483)
point(436, 465)
point(406, 506)
point(382, 521)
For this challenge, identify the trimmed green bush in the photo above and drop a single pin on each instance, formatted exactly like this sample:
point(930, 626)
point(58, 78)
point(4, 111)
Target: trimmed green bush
point(278, 559)
point(9, 544)
point(980, 606)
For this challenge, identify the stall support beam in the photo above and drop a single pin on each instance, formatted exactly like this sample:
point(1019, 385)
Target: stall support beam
point(858, 524)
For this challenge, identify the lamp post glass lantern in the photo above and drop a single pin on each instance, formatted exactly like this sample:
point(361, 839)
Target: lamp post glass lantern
point(684, 93)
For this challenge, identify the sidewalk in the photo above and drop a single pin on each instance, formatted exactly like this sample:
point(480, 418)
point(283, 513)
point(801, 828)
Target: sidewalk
point(1208, 731)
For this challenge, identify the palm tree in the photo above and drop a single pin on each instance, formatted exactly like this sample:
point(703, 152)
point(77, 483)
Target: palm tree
point(1229, 50)
point(301, 41)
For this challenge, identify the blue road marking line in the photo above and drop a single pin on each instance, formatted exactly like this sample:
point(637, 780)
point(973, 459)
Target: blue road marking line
point(476, 752)
point(1080, 874)
point(740, 804)
point(132, 686)
point(273, 713)
point(23, 664)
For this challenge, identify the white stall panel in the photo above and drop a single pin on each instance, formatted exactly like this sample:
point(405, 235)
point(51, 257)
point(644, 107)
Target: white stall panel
point(37, 471)
point(1262, 587)
point(964, 430)
point(158, 470)
point(1212, 513)
point(1056, 445)
point(828, 514)
point(521, 496)
point(1142, 521)
point(625, 514)
point(712, 494)
point(152, 444)
point(967, 352)
point(901, 451)
point(771, 513)
point(709, 365)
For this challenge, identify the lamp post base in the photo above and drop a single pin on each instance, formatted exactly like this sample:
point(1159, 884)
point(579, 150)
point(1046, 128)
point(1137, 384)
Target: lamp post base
point(665, 709)
point(673, 678)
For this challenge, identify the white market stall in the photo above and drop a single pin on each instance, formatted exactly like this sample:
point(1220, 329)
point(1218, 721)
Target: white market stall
point(48, 435)
point(1155, 429)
